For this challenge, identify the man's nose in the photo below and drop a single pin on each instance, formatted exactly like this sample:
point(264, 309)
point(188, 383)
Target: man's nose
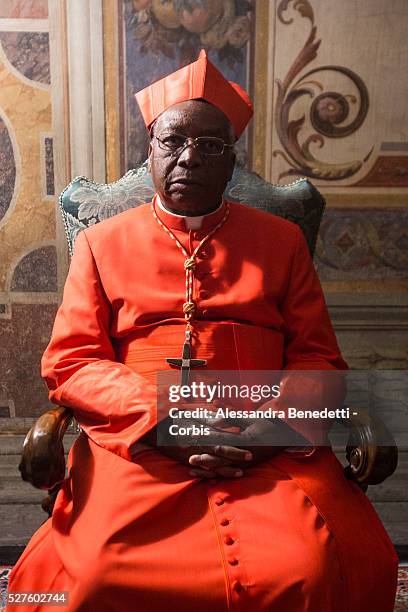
point(190, 157)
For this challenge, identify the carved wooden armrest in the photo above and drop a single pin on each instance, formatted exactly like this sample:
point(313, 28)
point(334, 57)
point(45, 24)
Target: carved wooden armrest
point(43, 461)
point(371, 450)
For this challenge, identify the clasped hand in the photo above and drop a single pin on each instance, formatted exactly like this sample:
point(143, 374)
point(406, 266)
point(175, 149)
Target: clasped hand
point(238, 450)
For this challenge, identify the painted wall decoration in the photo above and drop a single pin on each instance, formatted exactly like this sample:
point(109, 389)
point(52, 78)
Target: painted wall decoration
point(313, 73)
point(29, 53)
point(332, 104)
point(160, 36)
point(330, 83)
point(329, 111)
point(7, 169)
point(24, 9)
point(388, 170)
point(168, 26)
point(28, 280)
point(36, 271)
point(358, 245)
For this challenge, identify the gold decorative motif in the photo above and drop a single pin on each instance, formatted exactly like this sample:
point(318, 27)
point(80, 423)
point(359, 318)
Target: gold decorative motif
point(328, 111)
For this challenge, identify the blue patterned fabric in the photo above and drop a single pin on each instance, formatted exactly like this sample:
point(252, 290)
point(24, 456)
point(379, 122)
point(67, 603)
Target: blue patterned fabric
point(85, 202)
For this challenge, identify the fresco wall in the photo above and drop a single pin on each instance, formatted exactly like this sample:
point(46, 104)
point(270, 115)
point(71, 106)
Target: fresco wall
point(331, 106)
point(329, 93)
point(328, 79)
point(28, 266)
point(156, 38)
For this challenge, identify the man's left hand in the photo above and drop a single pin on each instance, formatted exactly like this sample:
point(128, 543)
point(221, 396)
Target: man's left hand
point(237, 450)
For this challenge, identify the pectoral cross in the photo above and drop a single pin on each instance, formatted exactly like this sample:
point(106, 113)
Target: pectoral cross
point(186, 363)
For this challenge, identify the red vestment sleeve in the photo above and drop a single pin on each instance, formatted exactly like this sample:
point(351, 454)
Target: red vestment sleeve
point(114, 405)
point(310, 345)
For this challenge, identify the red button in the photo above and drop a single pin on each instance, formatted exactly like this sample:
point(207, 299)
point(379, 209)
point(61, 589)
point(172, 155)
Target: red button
point(228, 540)
point(233, 561)
point(225, 522)
point(203, 294)
point(219, 501)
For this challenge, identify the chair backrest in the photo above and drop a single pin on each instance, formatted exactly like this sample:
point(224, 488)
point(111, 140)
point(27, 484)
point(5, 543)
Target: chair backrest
point(84, 202)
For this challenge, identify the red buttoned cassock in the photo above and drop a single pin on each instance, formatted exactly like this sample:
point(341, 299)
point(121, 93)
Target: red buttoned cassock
point(131, 528)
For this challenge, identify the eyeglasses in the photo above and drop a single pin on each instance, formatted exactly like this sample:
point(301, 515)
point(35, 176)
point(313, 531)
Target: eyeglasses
point(205, 145)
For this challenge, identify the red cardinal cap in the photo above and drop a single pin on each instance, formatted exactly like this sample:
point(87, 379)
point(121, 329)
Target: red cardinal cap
point(200, 79)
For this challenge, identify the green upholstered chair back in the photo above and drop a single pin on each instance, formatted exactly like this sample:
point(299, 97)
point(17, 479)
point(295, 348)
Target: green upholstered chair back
point(84, 202)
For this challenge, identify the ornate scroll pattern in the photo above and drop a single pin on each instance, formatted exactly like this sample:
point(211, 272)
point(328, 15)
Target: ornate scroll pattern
point(328, 112)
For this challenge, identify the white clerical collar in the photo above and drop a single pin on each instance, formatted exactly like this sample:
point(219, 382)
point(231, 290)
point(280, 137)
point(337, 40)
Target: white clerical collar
point(190, 222)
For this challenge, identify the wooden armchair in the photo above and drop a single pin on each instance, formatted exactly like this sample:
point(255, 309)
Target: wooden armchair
point(371, 451)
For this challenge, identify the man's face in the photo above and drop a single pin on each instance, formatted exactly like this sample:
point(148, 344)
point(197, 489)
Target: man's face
point(191, 183)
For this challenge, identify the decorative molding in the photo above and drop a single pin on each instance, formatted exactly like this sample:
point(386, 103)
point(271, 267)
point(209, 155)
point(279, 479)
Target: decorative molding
point(369, 318)
point(327, 113)
point(86, 88)
point(60, 122)
point(26, 298)
point(394, 146)
point(263, 55)
point(98, 93)
point(112, 43)
point(24, 25)
point(381, 360)
point(388, 171)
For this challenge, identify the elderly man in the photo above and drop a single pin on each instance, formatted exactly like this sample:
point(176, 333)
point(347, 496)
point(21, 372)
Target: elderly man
point(138, 526)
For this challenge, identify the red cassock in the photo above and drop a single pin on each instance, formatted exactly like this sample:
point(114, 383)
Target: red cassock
point(131, 528)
